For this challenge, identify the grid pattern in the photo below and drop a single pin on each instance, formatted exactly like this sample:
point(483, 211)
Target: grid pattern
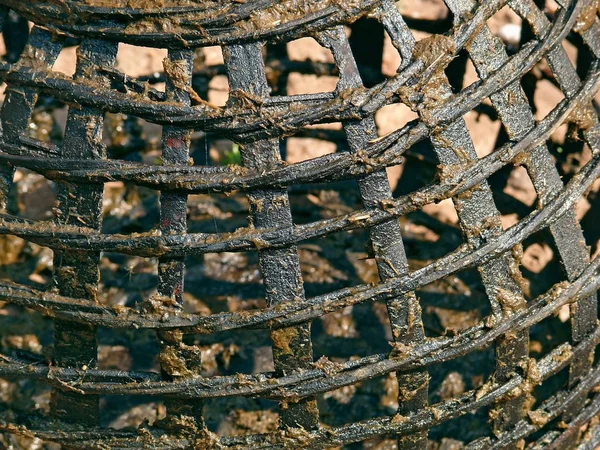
point(257, 122)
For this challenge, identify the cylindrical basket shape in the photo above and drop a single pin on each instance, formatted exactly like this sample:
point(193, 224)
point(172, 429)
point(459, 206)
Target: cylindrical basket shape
point(300, 224)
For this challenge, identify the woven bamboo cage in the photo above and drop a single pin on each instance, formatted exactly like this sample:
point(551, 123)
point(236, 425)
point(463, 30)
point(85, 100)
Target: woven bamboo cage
point(425, 333)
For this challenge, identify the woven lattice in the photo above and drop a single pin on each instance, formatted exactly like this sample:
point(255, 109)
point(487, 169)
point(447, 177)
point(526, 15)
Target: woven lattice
point(563, 416)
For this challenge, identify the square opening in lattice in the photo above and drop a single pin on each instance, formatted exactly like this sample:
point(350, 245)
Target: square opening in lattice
point(420, 231)
point(125, 411)
point(217, 213)
point(587, 212)
point(388, 119)
point(310, 69)
point(391, 58)
point(208, 79)
point(547, 389)
point(47, 124)
point(313, 202)
point(66, 61)
point(453, 304)
point(138, 62)
point(126, 280)
point(540, 263)
point(443, 214)
point(130, 138)
point(549, 333)
point(236, 351)
point(514, 193)
point(31, 196)
point(367, 36)
point(507, 25)
point(352, 332)
point(326, 265)
point(450, 380)
point(25, 333)
point(364, 400)
point(420, 13)
point(226, 281)
point(461, 72)
point(128, 208)
point(218, 90)
point(239, 416)
point(25, 262)
point(541, 90)
point(420, 168)
point(313, 141)
point(485, 130)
